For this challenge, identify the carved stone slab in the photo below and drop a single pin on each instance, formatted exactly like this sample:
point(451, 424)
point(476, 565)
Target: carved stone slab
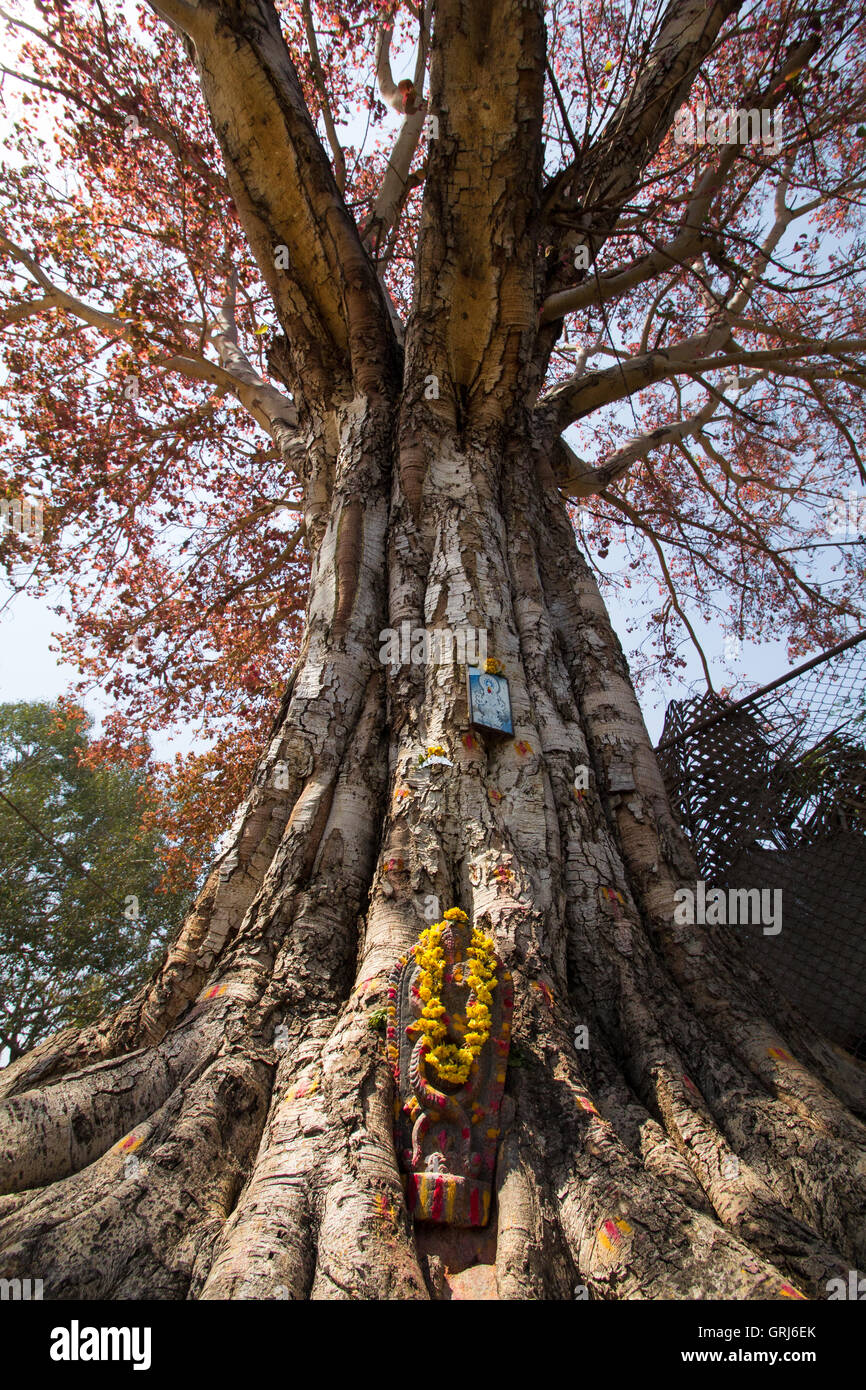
point(446, 1135)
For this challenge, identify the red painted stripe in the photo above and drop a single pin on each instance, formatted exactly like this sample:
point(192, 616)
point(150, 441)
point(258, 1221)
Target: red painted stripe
point(438, 1199)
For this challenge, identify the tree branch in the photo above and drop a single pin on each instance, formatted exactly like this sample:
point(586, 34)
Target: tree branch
point(579, 396)
point(319, 80)
point(592, 192)
point(327, 297)
point(693, 237)
point(476, 259)
point(395, 184)
point(270, 408)
point(584, 480)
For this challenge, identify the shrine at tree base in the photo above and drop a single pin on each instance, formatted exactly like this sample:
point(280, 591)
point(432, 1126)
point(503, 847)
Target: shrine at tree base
point(447, 1133)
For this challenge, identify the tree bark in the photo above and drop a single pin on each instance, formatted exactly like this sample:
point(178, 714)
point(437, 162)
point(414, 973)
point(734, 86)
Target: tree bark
point(270, 1172)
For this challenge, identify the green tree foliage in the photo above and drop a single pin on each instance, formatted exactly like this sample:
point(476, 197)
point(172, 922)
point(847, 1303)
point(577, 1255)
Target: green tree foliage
point(82, 917)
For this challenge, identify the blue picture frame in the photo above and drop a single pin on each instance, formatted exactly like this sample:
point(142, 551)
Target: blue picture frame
point(489, 702)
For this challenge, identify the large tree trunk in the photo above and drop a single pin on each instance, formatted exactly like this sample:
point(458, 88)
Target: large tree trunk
point(703, 1145)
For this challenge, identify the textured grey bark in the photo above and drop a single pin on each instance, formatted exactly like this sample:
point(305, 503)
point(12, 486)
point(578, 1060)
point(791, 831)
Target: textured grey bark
point(266, 1173)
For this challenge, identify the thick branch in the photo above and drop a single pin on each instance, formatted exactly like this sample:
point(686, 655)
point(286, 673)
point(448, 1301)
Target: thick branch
point(604, 179)
point(263, 401)
point(590, 196)
point(324, 288)
point(687, 243)
point(476, 310)
point(579, 396)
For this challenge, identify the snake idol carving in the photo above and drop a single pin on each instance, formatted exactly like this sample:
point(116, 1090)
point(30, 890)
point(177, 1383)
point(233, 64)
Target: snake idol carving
point(450, 1003)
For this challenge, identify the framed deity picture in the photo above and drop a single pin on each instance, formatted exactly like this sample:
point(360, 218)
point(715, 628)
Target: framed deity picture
point(489, 702)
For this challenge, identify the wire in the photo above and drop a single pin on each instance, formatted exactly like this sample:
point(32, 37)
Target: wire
point(764, 690)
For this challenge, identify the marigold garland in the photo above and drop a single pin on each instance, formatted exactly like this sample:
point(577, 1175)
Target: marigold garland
point(454, 1063)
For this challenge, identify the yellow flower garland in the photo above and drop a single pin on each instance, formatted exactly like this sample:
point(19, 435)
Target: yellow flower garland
point(454, 1063)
